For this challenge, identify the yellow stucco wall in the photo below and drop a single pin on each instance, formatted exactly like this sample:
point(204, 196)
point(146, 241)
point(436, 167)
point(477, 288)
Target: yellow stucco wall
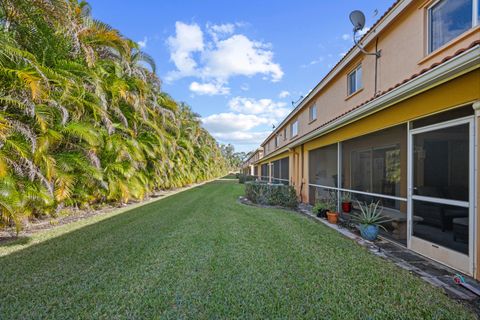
point(457, 92)
point(404, 53)
point(453, 93)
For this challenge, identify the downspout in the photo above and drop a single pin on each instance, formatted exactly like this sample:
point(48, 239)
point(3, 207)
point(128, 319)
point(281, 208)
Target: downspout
point(302, 181)
point(476, 107)
point(377, 56)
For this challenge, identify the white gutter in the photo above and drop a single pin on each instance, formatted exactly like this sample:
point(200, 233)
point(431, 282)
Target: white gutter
point(455, 67)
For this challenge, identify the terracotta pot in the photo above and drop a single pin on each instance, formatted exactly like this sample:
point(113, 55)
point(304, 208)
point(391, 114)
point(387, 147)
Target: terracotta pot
point(332, 217)
point(346, 207)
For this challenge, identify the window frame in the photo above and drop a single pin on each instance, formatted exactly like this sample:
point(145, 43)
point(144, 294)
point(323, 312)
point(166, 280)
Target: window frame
point(292, 125)
point(475, 22)
point(358, 80)
point(313, 107)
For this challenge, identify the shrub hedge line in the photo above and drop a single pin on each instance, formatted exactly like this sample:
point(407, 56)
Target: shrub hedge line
point(271, 194)
point(242, 178)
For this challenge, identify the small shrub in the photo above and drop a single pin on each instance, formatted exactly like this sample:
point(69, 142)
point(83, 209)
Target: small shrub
point(271, 194)
point(319, 207)
point(242, 178)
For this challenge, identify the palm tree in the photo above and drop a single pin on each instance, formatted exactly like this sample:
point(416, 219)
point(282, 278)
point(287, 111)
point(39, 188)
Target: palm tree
point(83, 119)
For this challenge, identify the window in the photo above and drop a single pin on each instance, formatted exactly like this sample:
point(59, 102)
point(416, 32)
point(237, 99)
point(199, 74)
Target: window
point(294, 128)
point(313, 112)
point(277, 141)
point(285, 134)
point(355, 80)
point(447, 19)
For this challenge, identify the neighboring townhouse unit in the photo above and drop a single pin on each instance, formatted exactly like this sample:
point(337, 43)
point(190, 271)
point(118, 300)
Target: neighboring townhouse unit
point(248, 168)
point(401, 128)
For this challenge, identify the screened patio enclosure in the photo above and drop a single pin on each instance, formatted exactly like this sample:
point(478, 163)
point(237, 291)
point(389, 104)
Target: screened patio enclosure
point(433, 154)
point(370, 168)
point(280, 171)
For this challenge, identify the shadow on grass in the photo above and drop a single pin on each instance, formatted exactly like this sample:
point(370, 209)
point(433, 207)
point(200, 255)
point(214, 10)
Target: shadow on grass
point(6, 242)
point(12, 241)
point(73, 262)
point(100, 227)
point(156, 260)
point(230, 176)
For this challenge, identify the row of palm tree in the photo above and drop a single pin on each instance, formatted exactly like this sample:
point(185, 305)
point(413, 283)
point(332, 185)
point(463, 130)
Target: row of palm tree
point(83, 119)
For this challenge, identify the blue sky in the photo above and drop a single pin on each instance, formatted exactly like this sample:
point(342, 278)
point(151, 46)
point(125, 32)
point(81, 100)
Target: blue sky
point(239, 64)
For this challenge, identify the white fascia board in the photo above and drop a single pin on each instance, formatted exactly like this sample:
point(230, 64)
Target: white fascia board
point(371, 35)
point(273, 154)
point(455, 67)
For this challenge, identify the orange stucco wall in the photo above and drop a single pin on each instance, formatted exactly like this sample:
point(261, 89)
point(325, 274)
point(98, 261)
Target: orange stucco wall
point(403, 46)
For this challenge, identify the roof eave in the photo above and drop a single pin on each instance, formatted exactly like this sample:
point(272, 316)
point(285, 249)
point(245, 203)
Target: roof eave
point(382, 23)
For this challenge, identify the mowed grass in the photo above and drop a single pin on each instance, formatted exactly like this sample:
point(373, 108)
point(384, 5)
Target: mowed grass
point(200, 254)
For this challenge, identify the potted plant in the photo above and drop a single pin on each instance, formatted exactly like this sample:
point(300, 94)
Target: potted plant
point(320, 209)
point(346, 202)
point(332, 214)
point(370, 219)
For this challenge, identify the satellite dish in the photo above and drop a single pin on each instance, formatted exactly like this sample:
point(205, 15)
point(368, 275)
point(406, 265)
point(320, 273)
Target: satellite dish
point(358, 20)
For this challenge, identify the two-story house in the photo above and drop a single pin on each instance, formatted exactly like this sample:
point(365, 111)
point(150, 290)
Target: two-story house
point(248, 167)
point(400, 127)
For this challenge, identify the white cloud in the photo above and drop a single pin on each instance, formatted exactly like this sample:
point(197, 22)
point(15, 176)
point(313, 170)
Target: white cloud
point(248, 122)
point(245, 87)
point(226, 55)
point(363, 31)
point(209, 88)
point(283, 94)
point(238, 55)
point(188, 39)
point(229, 122)
point(143, 43)
point(346, 36)
point(313, 62)
point(349, 37)
point(267, 107)
point(240, 137)
point(226, 28)
point(220, 30)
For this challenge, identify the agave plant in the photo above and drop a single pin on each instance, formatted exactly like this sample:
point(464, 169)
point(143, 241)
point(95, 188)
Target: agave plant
point(370, 214)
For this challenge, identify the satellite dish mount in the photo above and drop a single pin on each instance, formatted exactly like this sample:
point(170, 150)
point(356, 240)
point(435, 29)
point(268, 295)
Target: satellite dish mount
point(358, 20)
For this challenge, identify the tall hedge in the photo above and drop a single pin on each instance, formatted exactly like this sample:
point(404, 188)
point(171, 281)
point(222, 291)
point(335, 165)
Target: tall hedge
point(83, 118)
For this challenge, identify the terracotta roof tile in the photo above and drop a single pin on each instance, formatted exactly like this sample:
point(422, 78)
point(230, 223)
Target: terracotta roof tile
point(340, 61)
point(436, 64)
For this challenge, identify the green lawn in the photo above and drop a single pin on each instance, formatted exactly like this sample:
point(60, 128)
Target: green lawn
point(232, 176)
point(200, 254)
